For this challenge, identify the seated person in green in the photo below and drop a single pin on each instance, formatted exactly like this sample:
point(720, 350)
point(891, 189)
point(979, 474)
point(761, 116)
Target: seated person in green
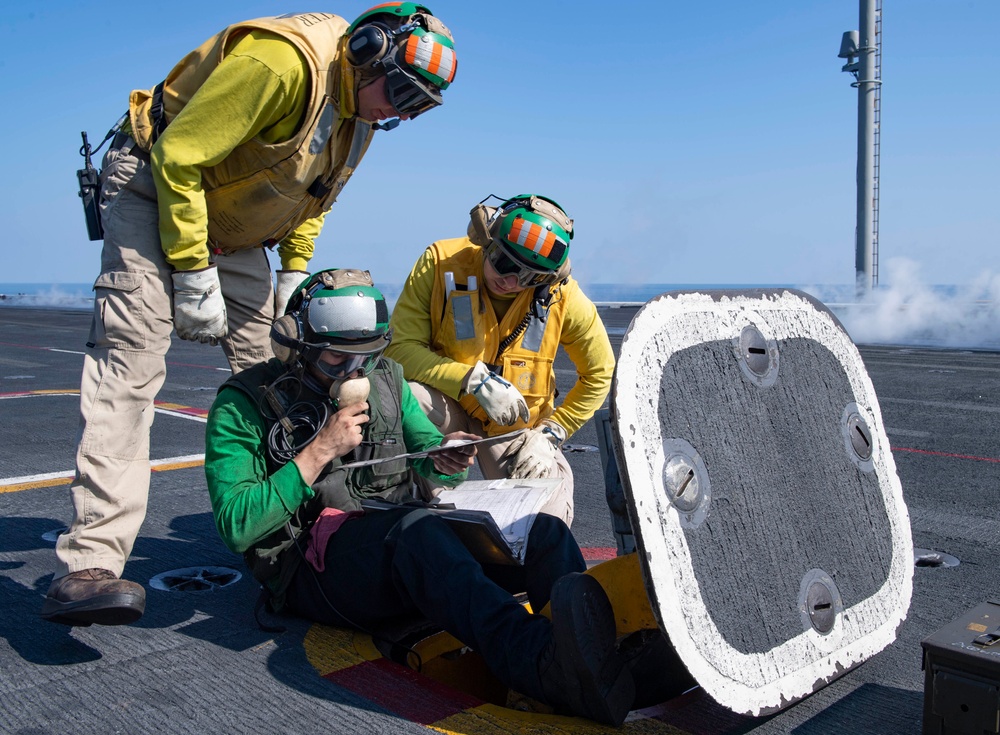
point(277, 437)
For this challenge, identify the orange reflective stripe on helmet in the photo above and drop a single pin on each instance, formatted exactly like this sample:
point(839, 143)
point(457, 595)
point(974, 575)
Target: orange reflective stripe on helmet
point(423, 52)
point(532, 236)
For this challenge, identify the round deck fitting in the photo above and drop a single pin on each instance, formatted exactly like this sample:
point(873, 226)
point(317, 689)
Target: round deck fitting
point(757, 355)
point(931, 558)
point(195, 579)
point(53, 535)
point(858, 439)
point(819, 602)
point(685, 482)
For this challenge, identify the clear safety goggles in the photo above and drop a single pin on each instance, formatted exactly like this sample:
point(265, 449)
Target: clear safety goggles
point(349, 367)
point(506, 265)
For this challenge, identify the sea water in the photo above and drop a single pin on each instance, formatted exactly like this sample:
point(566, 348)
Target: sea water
point(909, 314)
point(80, 295)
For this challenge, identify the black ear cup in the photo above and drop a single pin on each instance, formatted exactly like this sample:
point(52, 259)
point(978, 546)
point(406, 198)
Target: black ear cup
point(285, 338)
point(368, 44)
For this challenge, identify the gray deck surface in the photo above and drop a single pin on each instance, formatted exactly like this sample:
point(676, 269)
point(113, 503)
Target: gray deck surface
point(197, 662)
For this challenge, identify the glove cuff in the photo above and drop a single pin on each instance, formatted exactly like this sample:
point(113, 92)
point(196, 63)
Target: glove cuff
point(474, 379)
point(554, 432)
point(205, 280)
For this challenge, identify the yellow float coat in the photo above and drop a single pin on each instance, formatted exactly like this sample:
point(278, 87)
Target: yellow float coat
point(257, 116)
point(425, 342)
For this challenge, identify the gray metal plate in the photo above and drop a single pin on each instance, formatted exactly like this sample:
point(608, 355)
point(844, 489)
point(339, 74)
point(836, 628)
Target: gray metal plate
point(768, 515)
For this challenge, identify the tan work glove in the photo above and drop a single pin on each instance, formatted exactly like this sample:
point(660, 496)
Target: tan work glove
point(502, 402)
point(285, 285)
point(534, 456)
point(199, 309)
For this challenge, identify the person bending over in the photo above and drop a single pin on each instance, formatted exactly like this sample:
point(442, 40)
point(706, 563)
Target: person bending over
point(244, 145)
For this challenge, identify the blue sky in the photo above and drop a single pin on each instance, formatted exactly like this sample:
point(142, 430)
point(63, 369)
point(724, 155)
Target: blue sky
point(692, 142)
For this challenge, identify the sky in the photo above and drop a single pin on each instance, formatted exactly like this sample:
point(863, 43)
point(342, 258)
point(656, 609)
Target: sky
point(693, 143)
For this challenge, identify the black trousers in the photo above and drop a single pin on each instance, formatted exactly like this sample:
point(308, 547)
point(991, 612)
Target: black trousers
point(389, 564)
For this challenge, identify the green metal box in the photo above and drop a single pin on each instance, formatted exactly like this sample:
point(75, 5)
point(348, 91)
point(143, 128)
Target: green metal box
point(962, 675)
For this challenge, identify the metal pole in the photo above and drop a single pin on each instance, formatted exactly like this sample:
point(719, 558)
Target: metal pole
point(866, 145)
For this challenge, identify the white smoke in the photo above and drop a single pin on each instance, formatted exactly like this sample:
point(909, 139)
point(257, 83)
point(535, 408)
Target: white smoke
point(910, 312)
point(49, 297)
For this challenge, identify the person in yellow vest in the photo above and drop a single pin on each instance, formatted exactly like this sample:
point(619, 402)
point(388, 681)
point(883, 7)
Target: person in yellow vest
point(245, 145)
point(477, 327)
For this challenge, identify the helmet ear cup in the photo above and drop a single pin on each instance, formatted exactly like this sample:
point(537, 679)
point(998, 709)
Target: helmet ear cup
point(368, 44)
point(479, 230)
point(285, 338)
point(564, 271)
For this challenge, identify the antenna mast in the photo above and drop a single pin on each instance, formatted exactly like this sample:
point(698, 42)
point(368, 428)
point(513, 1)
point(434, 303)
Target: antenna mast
point(864, 61)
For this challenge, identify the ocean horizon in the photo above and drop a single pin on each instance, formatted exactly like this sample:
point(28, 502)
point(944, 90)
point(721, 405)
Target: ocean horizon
point(80, 295)
point(940, 316)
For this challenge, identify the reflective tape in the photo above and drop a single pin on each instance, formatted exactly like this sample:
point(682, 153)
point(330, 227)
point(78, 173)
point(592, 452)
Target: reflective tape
point(424, 52)
point(533, 237)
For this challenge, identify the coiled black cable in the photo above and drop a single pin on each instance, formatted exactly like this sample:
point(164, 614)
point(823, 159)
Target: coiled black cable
point(296, 422)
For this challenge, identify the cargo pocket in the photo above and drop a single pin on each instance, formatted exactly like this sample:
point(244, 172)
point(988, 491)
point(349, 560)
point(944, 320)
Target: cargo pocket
point(118, 321)
point(533, 378)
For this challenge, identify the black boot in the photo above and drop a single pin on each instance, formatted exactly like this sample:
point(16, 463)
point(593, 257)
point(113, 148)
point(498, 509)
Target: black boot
point(580, 672)
point(93, 596)
point(657, 670)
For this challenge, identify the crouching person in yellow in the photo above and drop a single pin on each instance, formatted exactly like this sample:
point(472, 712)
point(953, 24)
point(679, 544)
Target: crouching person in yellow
point(279, 442)
point(477, 327)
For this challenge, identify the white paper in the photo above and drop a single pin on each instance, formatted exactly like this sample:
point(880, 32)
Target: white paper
point(512, 503)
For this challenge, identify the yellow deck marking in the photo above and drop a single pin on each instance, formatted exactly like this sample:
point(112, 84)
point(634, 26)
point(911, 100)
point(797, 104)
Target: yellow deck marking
point(331, 650)
point(36, 393)
point(55, 479)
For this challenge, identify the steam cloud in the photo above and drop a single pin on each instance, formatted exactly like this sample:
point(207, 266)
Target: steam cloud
point(909, 312)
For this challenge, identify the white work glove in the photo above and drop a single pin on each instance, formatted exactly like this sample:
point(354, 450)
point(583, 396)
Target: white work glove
point(287, 282)
point(502, 402)
point(535, 455)
point(199, 310)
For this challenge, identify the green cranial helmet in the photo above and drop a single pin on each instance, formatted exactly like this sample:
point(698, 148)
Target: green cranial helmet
point(535, 231)
point(340, 311)
point(409, 46)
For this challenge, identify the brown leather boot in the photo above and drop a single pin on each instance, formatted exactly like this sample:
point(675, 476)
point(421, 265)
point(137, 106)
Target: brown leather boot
point(93, 596)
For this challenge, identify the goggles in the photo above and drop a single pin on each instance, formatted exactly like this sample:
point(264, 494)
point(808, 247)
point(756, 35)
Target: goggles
point(350, 365)
point(407, 94)
point(506, 265)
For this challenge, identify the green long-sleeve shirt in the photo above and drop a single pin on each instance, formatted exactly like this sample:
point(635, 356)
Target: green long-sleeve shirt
point(247, 501)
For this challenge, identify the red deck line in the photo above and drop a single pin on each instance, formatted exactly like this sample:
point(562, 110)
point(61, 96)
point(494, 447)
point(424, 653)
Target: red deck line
point(403, 691)
point(594, 553)
point(946, 454)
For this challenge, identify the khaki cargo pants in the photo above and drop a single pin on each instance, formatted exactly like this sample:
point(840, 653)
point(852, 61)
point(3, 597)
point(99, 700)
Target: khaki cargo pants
point(125, 362)
point(448, 415)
